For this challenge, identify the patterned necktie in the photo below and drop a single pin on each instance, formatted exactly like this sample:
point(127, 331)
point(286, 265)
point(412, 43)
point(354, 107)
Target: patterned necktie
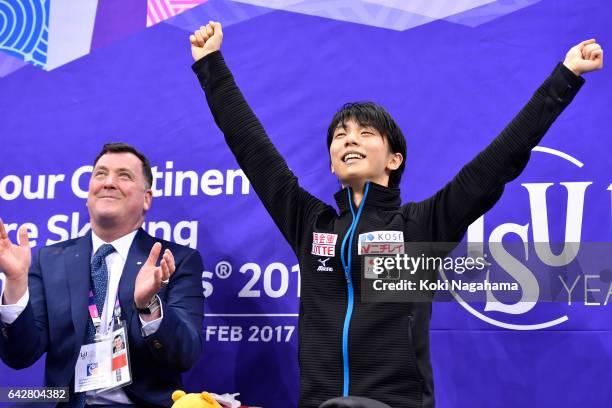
point(99, 280)
point(99, 283)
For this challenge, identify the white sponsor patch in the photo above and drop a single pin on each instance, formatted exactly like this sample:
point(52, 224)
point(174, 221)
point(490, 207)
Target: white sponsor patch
point(368, 270)
point(381, 242)
point(324, 244)
point(380, 248)
point(382, 236)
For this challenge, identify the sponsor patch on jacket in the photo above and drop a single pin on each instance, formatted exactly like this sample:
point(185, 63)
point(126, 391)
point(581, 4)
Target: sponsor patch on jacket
point(381, 243)
point(324, 244)
point(368, 270)
point(323, 265)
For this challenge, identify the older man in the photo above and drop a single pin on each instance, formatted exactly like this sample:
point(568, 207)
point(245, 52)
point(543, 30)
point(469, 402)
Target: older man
point(82, 293)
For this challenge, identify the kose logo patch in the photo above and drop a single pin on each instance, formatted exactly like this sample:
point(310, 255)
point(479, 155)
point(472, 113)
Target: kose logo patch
point(382, 236)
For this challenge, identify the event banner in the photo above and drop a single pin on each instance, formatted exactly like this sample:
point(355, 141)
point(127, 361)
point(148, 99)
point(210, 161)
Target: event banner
point(77, 74)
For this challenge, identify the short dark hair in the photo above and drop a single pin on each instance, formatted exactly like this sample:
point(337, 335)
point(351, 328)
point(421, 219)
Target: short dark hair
point(374, 115)
point(126, 148)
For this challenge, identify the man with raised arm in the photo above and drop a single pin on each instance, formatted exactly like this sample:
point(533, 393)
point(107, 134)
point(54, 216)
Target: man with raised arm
point(346, 346)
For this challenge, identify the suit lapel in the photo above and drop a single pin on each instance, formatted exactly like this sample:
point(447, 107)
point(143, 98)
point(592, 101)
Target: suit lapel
point(137, 256)
point(77, 262)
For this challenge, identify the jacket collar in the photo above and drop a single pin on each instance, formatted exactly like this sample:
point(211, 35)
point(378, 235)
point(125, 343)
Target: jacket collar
point(77, 268)
point(382, 197)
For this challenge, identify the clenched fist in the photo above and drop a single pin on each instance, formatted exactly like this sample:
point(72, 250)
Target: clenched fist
point(206, 40)
point(584, 57)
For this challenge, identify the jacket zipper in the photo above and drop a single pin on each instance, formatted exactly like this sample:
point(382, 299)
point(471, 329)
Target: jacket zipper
point(350, 233)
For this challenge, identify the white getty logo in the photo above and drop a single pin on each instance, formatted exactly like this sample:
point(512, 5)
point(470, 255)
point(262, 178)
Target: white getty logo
point(323, 267)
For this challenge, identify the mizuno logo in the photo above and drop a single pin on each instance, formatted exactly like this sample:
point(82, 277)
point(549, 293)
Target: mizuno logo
point(323, 267)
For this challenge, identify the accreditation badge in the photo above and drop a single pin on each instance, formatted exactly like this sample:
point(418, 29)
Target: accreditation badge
point(104, 365)
point(93, 367)
point(121, 374)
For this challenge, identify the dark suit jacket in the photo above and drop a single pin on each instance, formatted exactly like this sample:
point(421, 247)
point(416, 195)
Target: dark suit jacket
point(55, 318)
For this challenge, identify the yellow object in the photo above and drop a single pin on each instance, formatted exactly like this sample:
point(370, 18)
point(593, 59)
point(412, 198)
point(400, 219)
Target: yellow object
point(202, 400)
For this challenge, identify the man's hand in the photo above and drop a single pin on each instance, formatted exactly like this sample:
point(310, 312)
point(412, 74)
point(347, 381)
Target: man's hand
point(15, 262)
point(206, 40)
point(150, 277)
point(584, 57)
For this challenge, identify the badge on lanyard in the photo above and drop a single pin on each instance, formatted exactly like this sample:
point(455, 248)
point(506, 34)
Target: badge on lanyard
point(104, 365)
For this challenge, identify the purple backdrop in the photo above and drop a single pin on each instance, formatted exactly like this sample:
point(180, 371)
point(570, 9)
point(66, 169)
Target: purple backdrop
point(451, 87)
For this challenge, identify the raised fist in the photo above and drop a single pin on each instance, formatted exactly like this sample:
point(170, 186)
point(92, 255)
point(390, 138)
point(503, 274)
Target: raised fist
point(584, 57)
point(206, 40)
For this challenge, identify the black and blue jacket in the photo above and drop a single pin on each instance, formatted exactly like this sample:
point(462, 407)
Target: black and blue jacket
point(346, 346)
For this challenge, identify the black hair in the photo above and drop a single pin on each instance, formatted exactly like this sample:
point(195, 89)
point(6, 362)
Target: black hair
point(126, 148)
point(373, 115)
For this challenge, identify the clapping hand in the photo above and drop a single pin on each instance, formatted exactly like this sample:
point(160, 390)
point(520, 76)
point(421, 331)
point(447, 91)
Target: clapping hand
point(151, 277)
point(15, 262)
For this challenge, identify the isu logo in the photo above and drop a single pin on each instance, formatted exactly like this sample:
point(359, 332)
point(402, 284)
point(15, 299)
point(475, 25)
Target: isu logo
point(537, 227)
point(323, 267)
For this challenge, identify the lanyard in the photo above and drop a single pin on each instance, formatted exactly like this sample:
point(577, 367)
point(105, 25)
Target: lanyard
point(95, 316)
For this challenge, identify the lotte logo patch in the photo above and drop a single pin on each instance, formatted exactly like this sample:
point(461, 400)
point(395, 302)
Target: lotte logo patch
point(324, 244)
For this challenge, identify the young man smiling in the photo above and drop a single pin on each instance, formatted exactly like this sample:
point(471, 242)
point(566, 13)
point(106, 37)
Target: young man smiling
point(346, 346)
point(365, 143)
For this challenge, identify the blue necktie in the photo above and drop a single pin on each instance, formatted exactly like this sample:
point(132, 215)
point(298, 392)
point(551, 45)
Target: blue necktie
point(99, 283)
point(99, 280)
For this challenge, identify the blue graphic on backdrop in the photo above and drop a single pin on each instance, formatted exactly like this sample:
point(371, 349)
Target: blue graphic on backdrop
point(24, 29)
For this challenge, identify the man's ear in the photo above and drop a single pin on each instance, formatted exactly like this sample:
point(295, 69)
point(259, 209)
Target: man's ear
point(331, 166)
point(148, 200)
point(395, 161)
